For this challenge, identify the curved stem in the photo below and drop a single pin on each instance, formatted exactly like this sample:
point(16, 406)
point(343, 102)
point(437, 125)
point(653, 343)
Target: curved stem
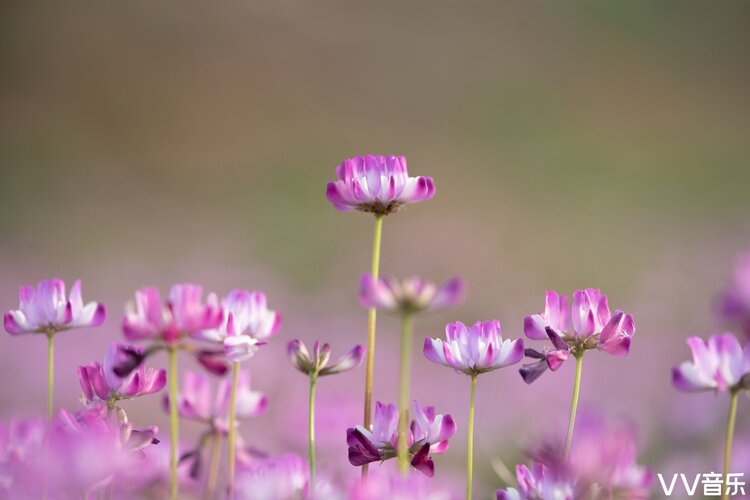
point(371, 319)
point(213, 471)
point(470, 454)
point(232, 426)
point(311, 434)
point(728, 442)
point(50, 375)
point(403, 398)
point(173, 423)
point(573, 406)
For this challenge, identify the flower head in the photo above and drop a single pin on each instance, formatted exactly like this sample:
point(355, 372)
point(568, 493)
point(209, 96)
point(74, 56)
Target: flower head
point(734, 301)
point(429, 432)
point(46, 309)
point(718, 365)
point(474, 350)
point(246, 325)
point(590, 325)
point(198, 402)
point(185, 313)
point(409, 295)
point(377, 184)
point(315, 363)
point(100, 382)
point(278, 477)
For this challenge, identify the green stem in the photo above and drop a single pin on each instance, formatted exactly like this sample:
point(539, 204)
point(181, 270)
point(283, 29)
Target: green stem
point(173, 423)
point(728, 442)
point(311, 433)
point(403, 398)
point(470, 454)
point(232, 426)
point(50, 375)
point(371, 319)
point(213, 470)
point(573, 406)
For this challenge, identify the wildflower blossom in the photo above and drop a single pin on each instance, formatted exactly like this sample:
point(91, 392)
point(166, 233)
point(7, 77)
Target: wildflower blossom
point(377, 184)
point(720, 364)
point(474, 350)
point(316, 363)
point(46, 309)
point(99, 381)
point(277, 477)
point(409, 295)
point(429, 433)
point(590, 325)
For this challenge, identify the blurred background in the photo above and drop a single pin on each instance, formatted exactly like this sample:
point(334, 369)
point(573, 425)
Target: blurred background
point(578, 145)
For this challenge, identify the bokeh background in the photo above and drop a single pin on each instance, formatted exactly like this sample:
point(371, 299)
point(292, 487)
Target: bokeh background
point(572, 145)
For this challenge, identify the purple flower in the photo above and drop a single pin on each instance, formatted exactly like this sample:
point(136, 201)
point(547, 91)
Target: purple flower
point(280, 477)
point(316, 364)
point(719, 365)
point(603, 457)
point(47, 310)
point(377, 184)
point(247, 324)
point(590, 325)
point(148, 318)
point(428, 433)
point(409, 295)
point(734, 300)
point(474, 350)
point(100, 382)
point(20, 442)
point(198, 402)
point(413, 487)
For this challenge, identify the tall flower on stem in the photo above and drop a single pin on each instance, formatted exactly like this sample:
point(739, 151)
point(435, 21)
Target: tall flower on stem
point(407, 297)
point(379, 185)
point(199, 403)
point(315, 364)
point(46, 310)
point(593, 327)
point(247, 324)
point(429, 432)
point(719, 365)
point(473, 350)
point(166, 326)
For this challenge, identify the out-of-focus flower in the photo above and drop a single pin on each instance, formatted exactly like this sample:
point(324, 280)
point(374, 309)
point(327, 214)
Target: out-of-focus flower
point(185, 313)
point(396, 487)
point(602, 463)
point(474, 350)
point(409, 295)
point(377, 184)
point(429, 433)
point(47, 310)
point(718, 365)
point(589, 326)
point(316, 364)
point(247, 324)
point(536, 483)
point(734, 300)
point(20, 442)
point(272, 478)
point(198, 402)
point(100, 383)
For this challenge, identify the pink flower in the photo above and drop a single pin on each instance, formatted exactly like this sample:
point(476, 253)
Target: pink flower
point(377, 184)
point(20, 443)
point(719, 365)
point(474, 350)
point(315, 364)
point(47, 310)
point(409, 295)
point(147, 318)
point(429, 433)
point(396, 487)
point(100, 382)
point(246, 325)
point(280, 477)
point(590, 325)
point(734, 301)
point(198, 402)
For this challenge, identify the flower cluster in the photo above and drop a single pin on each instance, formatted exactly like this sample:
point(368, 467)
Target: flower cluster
point(429, 432)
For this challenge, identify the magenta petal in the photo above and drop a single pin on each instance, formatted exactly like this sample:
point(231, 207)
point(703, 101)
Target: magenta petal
point(532, 371)
point(555, 359)
point(214, 362)
point(422, 461)
point(534, 327)
point(361, 450)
